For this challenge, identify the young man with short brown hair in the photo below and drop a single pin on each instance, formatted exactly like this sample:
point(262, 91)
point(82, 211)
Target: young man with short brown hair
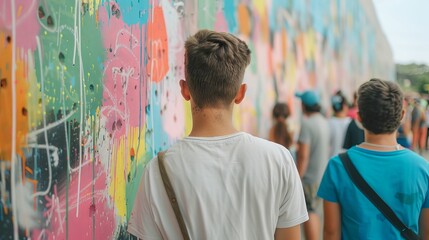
point(228, 184)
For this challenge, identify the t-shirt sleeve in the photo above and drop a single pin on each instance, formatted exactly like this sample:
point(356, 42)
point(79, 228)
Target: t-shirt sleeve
point(142, 223)
point(293, 210)
point(327, 188)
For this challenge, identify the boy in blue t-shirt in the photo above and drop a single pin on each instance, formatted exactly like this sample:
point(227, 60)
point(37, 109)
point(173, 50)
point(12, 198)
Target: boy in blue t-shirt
point(399, 176)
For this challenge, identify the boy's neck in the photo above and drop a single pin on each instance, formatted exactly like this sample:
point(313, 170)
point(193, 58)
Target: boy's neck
point(342, 114)
point(211, 122)
point(388, 139)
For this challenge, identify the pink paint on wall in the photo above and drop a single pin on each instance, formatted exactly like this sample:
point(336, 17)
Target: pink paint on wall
point(124, 79)
point(27, 25)
point(95, 206)
point(221, 24)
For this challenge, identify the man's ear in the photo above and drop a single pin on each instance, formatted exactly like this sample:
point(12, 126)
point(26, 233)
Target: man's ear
point(184, 89)
point(240, 94)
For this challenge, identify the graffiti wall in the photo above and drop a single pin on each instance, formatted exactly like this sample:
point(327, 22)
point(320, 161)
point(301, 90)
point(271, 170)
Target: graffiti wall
point(89, 93)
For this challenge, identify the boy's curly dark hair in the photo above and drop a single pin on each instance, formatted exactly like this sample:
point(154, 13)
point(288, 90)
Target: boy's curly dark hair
point(380, 106)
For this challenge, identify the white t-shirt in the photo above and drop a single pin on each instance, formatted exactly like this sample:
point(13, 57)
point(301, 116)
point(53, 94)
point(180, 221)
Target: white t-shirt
point(229, 187)
point(338, 129)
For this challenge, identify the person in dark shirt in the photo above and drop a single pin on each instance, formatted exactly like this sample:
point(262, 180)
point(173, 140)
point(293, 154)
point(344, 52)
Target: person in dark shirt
point(354, 135)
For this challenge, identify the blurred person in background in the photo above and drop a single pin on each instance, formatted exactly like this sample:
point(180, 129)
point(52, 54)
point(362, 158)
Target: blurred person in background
point(404, 131)
point(312, 157)
point(338, 123)
point(427, 125)
point(280, 132)
point(354, 133)
point(353, 109)
point(418, 124)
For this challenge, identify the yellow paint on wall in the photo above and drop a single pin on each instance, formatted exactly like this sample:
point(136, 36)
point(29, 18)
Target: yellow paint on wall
point(92, 5)
point(309, 44)
point(291, 77)
point(259, 6)
point(118, 174)
point(122, 166)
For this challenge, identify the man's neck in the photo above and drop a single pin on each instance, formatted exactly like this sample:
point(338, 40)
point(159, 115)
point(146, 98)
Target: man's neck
point(308, 114)
point(342, 114)
point(211, 122)
point(381, 139)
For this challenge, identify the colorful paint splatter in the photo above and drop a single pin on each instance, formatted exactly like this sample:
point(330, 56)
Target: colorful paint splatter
point(89, 93)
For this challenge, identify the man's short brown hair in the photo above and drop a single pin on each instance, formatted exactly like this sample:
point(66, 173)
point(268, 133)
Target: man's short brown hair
point(214, 64)
point(380, 106)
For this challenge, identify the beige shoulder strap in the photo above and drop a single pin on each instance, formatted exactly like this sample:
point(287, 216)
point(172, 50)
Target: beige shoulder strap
point(172, 196)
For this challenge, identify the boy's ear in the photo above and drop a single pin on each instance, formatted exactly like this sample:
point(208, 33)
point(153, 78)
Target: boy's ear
point(184, 89)
point(240, 94)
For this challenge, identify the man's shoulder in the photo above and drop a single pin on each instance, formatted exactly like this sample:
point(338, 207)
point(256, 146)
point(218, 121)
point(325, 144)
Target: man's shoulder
point(264, 144)
point(417, 159)
point(152, 164)
point(316, 118)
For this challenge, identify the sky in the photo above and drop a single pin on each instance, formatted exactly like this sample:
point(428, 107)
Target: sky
point(406, 25)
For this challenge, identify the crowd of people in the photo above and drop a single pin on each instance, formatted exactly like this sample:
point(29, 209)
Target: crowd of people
point(221, 183)
point(345, 131)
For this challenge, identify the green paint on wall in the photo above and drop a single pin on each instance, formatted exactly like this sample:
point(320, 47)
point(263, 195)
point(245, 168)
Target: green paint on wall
point(207, 13)
point(67, 66)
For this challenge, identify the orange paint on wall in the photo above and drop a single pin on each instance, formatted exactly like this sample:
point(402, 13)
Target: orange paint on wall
point(265, 28)
point(284, 43)
point(6, 100)
point(157, 46)
point(244, 19)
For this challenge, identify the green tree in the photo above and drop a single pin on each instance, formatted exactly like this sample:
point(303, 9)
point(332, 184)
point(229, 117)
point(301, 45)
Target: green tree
point(413, 77)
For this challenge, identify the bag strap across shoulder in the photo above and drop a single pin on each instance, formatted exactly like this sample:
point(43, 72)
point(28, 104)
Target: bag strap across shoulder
point(172, 196)
point(363, 186)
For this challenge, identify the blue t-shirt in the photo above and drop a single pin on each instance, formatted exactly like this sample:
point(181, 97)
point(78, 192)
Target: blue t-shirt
point(400, 178)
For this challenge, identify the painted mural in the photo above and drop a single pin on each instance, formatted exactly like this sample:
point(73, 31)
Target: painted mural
point(89, 93)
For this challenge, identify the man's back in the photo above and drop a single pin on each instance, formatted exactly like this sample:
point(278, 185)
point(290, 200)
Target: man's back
point(230, 187)
point(400, 178)
point(315, 132)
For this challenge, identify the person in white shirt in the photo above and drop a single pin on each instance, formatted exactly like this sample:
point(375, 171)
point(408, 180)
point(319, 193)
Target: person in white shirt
point(338, 123)
point(228, 184)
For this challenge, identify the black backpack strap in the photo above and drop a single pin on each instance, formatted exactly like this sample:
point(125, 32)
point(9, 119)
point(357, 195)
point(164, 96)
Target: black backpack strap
point(363, 186)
